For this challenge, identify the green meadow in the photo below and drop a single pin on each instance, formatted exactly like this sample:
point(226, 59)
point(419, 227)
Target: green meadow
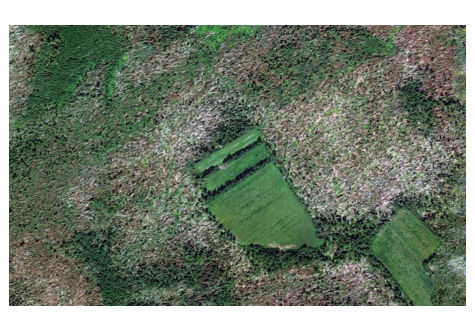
point(256, 204)
point(402, 245)
point(261, 209)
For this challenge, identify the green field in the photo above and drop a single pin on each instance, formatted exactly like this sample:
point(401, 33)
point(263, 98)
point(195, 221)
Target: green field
point(236, 166)
point(402, 245)
point(261, 209)
point(219, 156)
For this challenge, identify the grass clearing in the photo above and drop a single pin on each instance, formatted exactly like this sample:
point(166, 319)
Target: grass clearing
point(261, 209)
point(402, 245)
point(236, 166)
point(214, 36)
point(218, 157)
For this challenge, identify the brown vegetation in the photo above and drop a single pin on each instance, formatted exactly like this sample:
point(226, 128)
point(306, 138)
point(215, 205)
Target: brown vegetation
point(348, 283)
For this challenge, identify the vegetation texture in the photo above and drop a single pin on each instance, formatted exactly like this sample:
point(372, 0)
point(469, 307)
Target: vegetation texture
point(216, 158)
point(402, 245)
point(237, 166)
point(261, 209)
point(107, 124)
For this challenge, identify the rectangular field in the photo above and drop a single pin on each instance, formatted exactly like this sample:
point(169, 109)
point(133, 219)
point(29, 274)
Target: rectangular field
point(402, 245)
point(216, 158)
point(261, 209)
point(235, 167)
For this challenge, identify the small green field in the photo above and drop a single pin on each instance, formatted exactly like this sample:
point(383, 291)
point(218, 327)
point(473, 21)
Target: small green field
point(216, 158)
point(402, 245)
point(237, 166)
point(261, 209)
point(255, 204)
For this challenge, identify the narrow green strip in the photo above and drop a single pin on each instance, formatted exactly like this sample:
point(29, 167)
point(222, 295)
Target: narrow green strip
point(234, 146)
point(236, 166)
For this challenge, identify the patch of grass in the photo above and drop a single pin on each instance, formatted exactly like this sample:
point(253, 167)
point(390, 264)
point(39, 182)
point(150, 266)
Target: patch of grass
point(213, 36)
point(402, 245)
point(208, 43)
point(393, 34)
point(218, 157)
point(372, 46)
point(261, 209)
point(236, 166)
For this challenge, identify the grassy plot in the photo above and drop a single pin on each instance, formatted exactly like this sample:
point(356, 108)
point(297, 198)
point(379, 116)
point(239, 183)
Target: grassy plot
point(261, 209)
point(236, 166)
point(402, 245)
point(219, 156)
point(214, 36)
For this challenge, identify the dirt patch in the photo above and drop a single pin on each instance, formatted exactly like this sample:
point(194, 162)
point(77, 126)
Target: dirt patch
point(282, 248)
